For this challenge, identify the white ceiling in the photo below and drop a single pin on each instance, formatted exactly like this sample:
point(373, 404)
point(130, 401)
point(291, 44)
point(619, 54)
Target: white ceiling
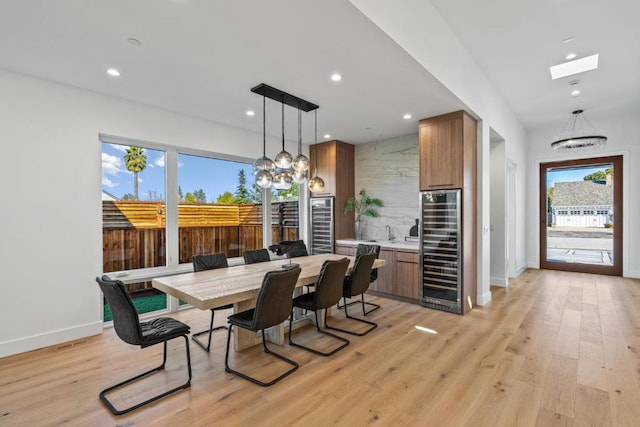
point(202, 57)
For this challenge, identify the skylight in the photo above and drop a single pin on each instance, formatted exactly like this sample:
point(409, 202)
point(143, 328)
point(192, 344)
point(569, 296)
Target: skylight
point(574, 67)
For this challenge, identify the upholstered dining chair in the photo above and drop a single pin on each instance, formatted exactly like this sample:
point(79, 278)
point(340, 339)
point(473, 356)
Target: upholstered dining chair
point(356, 284)
point(254, 256)
point(202, 263)
point(273, 305)
point(361, 250)
point(145, 334)
point(328, 291)
point(290, 248)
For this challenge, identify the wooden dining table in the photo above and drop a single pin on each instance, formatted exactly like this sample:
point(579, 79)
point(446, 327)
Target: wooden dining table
point(239, 285)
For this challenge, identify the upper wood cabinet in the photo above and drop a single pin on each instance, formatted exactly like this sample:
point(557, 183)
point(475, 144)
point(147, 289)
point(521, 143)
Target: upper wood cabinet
point(336, 168)
point(448, 151)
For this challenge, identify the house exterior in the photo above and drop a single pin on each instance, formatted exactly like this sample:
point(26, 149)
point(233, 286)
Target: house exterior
point(582, 204)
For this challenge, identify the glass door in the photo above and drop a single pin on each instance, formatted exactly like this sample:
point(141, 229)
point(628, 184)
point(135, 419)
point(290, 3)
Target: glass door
point(581, 215)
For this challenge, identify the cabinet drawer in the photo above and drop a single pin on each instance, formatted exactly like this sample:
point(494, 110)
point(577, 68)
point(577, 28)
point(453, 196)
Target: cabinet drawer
point(407, 256)
point(345, 250)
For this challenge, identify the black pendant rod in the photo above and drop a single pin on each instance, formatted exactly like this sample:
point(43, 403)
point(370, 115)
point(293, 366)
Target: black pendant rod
point(284, 97)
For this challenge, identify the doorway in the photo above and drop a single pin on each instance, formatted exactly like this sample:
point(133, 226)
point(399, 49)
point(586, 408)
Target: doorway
point(581, 215)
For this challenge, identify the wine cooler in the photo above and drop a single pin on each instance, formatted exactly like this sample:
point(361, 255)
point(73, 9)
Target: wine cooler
point(322, 233)
point(441, 250)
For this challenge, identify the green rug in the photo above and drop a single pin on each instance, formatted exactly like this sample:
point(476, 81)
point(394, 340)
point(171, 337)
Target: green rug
point(143, 305)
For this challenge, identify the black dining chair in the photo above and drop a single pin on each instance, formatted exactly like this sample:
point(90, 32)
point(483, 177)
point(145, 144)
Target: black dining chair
point(273, 305)
point(202, 263)
point(254, 256)
point(361, 250)
point(290, 248)
point(356, 284)
point(328, 291)
point(145, 334)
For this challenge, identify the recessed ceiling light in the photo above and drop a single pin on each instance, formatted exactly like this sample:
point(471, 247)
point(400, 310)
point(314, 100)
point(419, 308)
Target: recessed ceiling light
point(250, 113)
point(406, 116)
point(113, 72)
point(575, 93)
point(570, 56)
point(336, 77)
point(568, 39)
point(574, 67)
point(134, 41)
point(327, 136)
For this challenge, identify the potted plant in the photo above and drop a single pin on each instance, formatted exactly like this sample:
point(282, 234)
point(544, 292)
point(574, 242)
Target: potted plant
point(364, 205)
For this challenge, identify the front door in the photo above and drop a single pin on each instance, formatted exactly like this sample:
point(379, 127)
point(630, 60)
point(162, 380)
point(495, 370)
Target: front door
point(581, 215)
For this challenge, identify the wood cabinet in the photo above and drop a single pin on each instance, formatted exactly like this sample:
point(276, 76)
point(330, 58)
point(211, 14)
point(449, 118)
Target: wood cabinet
point(448, 151)
point(399, 278)
point(407, 274)
point(335, 166)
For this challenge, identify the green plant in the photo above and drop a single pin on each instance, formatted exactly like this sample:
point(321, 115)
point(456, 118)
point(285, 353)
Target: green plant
point(364, 205)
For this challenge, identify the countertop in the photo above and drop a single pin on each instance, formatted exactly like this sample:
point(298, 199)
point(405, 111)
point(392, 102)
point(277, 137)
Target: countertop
point(387, 244)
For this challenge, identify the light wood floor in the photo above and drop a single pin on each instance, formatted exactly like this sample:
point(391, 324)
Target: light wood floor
point(555, 348)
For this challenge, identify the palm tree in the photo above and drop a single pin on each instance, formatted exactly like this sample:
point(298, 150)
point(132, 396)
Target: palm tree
point(136, 161)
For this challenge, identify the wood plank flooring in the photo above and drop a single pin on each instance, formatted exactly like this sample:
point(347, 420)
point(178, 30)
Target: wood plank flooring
point(555, 348)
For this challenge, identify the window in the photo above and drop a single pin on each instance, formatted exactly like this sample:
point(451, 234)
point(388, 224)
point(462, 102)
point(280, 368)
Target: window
point(219, 207)
point(575, 212)
point(133, 207)
point(161, 206)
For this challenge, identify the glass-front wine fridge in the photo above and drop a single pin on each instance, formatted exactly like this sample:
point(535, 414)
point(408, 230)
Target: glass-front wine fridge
point(441, 250)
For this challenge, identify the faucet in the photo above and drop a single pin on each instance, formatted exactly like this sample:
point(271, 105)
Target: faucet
point(388, 232)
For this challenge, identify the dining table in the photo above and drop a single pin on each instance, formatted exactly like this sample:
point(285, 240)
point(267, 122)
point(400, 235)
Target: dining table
point(239, 285)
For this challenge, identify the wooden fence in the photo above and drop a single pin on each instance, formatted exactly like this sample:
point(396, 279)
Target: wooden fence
point(133, 233)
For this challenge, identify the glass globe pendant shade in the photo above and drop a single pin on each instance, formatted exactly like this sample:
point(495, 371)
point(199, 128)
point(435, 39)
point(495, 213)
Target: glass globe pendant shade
point(282, 179)
point(299, 176)
point(264, 164)
point(301, 163)
point(316, 184)
point(283, 160)
point(264, 179)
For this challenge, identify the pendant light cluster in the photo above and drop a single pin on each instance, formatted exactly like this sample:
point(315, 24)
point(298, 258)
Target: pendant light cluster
point(282, 172)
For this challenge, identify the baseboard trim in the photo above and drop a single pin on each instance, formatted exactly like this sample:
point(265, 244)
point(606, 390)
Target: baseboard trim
point(498, 281)
point(484, 299)
point(35, 342)
point(633, 274)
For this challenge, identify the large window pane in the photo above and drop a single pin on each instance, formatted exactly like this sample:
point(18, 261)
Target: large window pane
point(220, 208)
point(285, 218)
point(133, 207)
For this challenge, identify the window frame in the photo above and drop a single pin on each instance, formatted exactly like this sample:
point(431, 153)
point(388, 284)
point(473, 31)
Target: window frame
point(172, 266)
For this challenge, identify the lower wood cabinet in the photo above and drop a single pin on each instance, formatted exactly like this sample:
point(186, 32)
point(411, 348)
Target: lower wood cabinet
point(399, 278)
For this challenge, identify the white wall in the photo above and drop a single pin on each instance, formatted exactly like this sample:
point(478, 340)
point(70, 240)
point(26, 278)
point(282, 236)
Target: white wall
point(624, 139)
point(50, 219)
point(498, 214)
point(388, 170)
point(420, 30)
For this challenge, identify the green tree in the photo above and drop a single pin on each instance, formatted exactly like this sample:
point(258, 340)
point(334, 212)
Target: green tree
point(226, 198)
point(599, 175)
point(197, 196)
point(128, 196)
point(136, 160)
point(286, 195)
point(242, 195)
point(180, 195)
point(256, 196)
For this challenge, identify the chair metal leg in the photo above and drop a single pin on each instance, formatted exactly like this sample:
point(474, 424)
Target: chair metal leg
point(266, 350)
point(116, 411)
point(346, 313)
point(345, 342)
point(375, 306)
point(208, 331)
point(363, 302)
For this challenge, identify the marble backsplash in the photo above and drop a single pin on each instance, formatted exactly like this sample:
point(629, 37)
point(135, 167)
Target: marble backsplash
point(388, 170)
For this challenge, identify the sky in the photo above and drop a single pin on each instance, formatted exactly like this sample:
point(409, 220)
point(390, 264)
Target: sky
point(213, 176)
point(571, 174)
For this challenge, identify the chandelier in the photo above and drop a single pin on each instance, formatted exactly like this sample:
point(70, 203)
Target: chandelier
point(282, 172)
point(578, 135)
